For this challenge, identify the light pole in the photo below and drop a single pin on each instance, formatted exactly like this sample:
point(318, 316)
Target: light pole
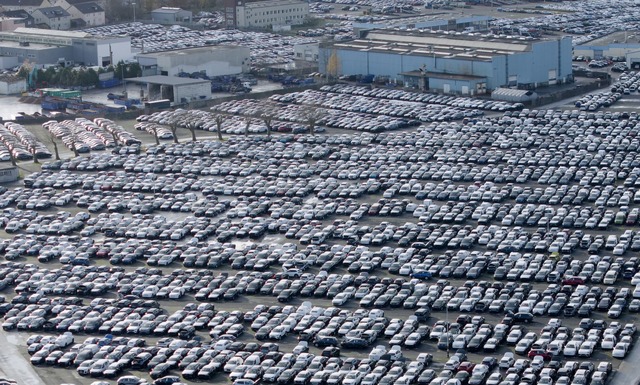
point(447, 328)
point(134, 11)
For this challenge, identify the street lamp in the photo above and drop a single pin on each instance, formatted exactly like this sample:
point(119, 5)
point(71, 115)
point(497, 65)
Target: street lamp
point(134, 11)
point(447, 328)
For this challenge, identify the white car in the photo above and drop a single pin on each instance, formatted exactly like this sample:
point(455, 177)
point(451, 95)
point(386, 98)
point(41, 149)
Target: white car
point(586, 349)
point(620, 350)
point(571, 349)
point(176, 293)
point(340, 299)
point(507, 360)
point(608, 342)
point(354, 377)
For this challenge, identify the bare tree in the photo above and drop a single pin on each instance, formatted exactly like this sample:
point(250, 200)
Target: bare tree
point(12, 158)
point(74, 148)
point(311, 115)
point(33, 151)
point(154, 132)
point(192, 128)
point(54, 142)
point(247, 124)
point(115, 138)
point(220, 119)
point(267, 111)
point(174, 130)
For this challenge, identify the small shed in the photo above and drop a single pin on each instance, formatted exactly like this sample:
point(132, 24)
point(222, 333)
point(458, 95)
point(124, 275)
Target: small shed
point(11, 85)
point(513, 95)
point(171, 15)
point(8, 174)
point(178, 90)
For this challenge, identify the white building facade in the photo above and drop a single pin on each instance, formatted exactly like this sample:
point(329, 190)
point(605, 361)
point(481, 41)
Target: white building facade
point(265, 14)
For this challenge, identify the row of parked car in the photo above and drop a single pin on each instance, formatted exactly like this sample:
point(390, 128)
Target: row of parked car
point(266, 48)
point(381, 94)
point(82, 135)
point(109, 356)
point(20, 144)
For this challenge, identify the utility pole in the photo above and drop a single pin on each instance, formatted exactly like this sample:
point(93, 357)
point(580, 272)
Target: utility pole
point(134, 12)
point(447, 328)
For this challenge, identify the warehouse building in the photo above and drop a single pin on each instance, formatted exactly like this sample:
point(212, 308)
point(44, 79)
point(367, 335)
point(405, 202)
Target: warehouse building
point(211, 60)
point(451, 62)
point(265, 14)
point(170, 15)
point(177, 90)
point(40, 46)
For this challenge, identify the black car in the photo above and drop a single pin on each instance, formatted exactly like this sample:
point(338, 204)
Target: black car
point(160, 370)
point(423, 314)
point(522, 317)
point(324, 341)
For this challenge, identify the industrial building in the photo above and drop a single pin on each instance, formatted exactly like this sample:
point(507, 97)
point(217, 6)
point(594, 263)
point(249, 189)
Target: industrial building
point(9, 174)
point(177, 90)
point(451, 62)
point(306, 52)
point(170, 15)
point(10, 85)
point(211, 60)
point(615, 45)
point(41, 47)
point(265, 14)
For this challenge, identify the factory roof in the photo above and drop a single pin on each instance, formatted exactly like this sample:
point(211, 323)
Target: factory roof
point(441, 75)
point(169, 10)
point(87, 8)
point(11, 79)
point(441, 44)
point(189, 51)
point(53, 12)
point(167, 80)
point(46, 32)
point(31, 46)
point(20, 3)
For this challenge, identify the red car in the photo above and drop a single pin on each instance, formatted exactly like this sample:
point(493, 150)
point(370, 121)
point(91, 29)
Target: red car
point(540, 352)
point(573, 281)
point(466, 366)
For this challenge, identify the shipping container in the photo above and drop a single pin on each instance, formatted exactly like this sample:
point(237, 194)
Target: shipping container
point(163, 103)
point(109, 83)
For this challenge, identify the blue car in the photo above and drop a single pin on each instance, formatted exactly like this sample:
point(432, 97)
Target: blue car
point(421, 275)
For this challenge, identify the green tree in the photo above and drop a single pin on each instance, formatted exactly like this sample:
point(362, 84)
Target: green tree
point(82, 79)
point(51, 76)
point(24, 72)
point(42, 77)
point(119, 70)
point(92, 77)
point(133, 70)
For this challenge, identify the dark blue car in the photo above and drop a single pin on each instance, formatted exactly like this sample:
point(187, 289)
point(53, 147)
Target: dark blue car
point(421, 275)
